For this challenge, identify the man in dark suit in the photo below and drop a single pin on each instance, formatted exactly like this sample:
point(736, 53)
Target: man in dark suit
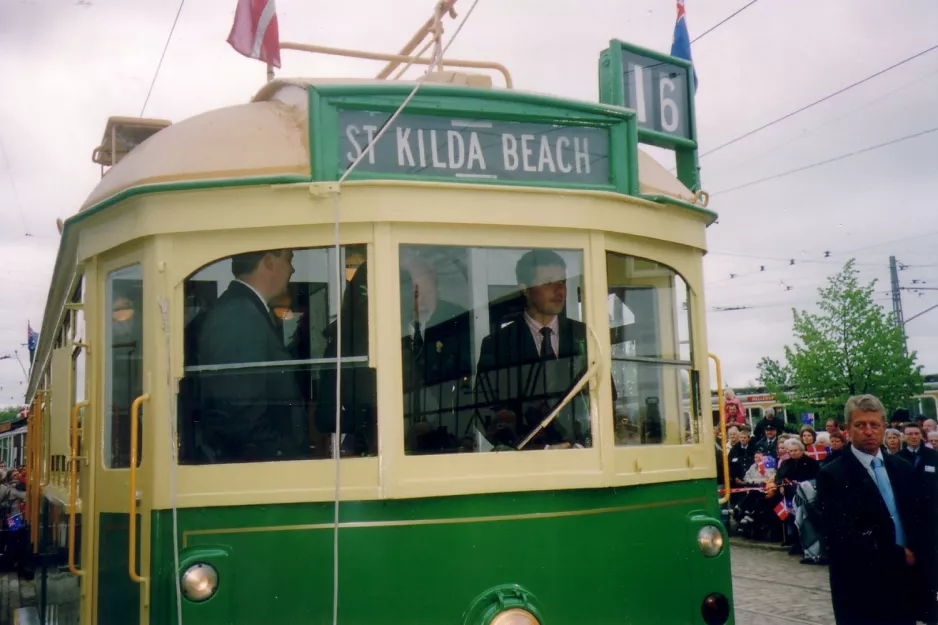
point(872, 517)
point(250, 412)
point(529, 364)
point(924, 460)
point(436, 358)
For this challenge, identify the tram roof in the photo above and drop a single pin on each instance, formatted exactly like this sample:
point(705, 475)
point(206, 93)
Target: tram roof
point(269, 138)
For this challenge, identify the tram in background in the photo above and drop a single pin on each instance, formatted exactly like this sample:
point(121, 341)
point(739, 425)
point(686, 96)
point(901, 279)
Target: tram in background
point(13, 442)
point(411, 485)
point(756, 403)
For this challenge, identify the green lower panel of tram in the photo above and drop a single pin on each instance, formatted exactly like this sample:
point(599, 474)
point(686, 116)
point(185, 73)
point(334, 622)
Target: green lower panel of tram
point(626, 555)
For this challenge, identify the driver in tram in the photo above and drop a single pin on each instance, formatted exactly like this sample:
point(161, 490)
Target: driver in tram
point(528, 364)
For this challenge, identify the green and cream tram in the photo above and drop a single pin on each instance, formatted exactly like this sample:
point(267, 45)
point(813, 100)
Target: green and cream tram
point(265, 395)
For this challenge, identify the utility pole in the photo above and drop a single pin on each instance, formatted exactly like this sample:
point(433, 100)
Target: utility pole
point(897, 301)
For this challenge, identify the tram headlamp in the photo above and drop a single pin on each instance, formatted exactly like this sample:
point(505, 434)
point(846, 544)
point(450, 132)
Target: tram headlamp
point(514, 616)
point(710, 540)
point(199, 582)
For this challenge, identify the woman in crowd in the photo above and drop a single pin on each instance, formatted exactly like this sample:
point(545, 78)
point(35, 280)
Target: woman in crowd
point(811, 446)
point(798, 468)
point(893, 441)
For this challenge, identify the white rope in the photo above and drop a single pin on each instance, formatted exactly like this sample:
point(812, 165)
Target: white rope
point(173, 459)
point(337, 440)
point(384, 128)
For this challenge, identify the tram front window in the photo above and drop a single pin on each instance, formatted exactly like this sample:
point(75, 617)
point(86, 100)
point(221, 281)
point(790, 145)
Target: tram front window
point(651, 353)
point(491, 342)
point(261, 347)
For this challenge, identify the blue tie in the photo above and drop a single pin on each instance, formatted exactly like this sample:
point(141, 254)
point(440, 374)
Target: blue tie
point(885, 489)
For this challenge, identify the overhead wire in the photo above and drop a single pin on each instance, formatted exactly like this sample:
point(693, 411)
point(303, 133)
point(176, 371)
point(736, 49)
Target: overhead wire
point(824, 162)
point(162, 56)
point(835, 120)
point(720, 23)
point(16, 195)
point(819, 101)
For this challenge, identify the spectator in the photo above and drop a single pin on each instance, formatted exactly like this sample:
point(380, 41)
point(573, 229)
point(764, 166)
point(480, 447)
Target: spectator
point(832, 426)
point(741, 456)
point(769, 444)
point(932, 442)
point(824, 441)
point(770, 418)
point(929, 426)
point(735, 412)
point(756, 507)
point(893, 441)
point(732, 435)
point(811, 446)
point(838, 441)
point(798, 468)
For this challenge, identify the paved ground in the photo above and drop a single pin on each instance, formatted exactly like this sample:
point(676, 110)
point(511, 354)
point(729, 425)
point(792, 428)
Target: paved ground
point(770, 587)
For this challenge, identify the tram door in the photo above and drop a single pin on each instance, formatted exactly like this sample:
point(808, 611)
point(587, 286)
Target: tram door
point(59, 584)
point(120, 529)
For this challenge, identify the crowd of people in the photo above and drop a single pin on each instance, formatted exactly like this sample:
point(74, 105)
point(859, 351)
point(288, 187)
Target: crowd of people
point(860, 493)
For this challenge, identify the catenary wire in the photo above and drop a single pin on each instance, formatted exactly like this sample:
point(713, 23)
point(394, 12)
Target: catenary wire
point(816, 102)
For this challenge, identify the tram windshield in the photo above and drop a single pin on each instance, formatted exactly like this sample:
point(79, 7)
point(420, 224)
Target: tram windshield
point(513, 317)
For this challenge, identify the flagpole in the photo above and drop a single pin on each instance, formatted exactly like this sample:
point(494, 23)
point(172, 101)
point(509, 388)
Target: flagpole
point(270, 72)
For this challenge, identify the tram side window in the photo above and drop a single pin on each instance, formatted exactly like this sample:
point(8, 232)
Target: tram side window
point(468, 310)
point(261, 348)
point(123, 362)
point(652, 366)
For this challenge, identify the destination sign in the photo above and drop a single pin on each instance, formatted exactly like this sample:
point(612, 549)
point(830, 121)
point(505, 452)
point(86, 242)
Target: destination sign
point(473, 149)
point(658, 92)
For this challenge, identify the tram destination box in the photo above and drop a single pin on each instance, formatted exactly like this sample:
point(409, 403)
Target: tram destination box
point(660, 89)
point(472, 136)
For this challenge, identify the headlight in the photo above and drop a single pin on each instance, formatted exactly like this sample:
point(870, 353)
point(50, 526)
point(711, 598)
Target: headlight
point(710, 540)
point(514, 616)
point(199, 582)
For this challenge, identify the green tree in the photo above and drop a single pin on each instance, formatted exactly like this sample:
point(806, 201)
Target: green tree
point(852, 346)
point(8, 413)
point(772, 374)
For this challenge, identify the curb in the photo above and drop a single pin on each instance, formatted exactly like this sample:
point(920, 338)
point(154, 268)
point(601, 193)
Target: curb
point(747, 543)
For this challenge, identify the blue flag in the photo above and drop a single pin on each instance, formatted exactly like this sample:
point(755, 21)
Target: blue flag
point(31, 337)
point(680, 47)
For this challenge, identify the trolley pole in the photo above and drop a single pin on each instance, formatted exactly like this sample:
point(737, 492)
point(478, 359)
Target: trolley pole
point(897, 301)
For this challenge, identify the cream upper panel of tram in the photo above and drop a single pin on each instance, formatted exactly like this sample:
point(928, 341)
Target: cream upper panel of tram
point(264, 138)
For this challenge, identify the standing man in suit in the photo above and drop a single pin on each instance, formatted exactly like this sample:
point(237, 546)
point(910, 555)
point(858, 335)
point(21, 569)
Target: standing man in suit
point(870, 506)
point(925, 462)
point(436, 358)
point(250, 413)
point(529, 364)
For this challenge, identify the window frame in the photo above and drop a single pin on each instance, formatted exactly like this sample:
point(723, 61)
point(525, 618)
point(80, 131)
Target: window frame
point(299, 480)
point(664, 462)
point(449, 474)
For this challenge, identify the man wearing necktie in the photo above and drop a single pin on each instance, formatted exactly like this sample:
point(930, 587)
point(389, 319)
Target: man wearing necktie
point(251, 412)
point(925, 462)
point(436, 358)
point(528, 364)
point(874, 524)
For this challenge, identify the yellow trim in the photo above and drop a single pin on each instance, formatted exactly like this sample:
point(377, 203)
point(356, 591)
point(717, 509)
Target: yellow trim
point(132, 505)
point(73, 488)
point(449, 521)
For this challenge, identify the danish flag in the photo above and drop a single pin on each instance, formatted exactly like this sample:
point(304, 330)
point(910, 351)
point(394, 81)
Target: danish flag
point(782, 510)
point(255, 33)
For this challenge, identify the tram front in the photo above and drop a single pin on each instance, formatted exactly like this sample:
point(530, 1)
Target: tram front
point(466, 384)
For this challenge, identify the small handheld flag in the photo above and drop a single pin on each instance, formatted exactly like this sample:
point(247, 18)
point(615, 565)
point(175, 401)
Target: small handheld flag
point(255, 32)
point(781, 510)
point(680, 46)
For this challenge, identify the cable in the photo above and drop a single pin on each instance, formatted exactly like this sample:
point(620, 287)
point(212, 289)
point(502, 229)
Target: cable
point(337, 246)
point(162, 56)
point(816, 102)
point(713, 28)
point(16, 195)
point(825, 162)
point(749, 160)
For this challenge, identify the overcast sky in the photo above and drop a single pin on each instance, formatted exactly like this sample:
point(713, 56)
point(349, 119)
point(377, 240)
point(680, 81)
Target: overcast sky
point(66, 65)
